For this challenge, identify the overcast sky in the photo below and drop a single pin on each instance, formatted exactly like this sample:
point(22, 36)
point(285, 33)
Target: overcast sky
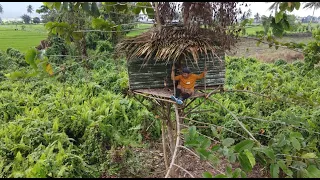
point(17, 9)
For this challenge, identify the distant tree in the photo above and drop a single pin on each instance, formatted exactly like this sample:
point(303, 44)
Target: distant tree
point(0, 20)
point(249, 13)
point(257, 17)
point(310, 5)
point(42, 9)
point(47, 14)
point(26, 19)
point(1, 9)
point(246, 15)
point(29, 9)
point(292, 21)
point(36, 20)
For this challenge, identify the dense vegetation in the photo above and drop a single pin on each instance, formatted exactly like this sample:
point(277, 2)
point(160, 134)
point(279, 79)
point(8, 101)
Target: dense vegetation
point(71, 116)
point(64, 126)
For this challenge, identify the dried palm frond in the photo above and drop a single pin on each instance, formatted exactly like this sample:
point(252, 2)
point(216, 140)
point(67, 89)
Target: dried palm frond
point(171, 42)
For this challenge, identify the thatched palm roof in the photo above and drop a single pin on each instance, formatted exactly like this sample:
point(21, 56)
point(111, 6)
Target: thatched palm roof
point(171, 43)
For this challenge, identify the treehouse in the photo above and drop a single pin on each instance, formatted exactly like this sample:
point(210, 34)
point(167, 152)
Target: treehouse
point(151, 55)
point(201, 41)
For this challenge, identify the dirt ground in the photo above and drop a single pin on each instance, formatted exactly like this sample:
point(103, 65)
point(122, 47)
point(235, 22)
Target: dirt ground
point(248, 48)
point(191, 163)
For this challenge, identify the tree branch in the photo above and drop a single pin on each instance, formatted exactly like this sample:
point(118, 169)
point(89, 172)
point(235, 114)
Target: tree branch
point(184, 170)
point(177, 141)
point(235, 117)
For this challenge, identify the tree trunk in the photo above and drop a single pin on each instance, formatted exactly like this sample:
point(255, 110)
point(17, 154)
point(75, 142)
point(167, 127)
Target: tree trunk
point(157, 15)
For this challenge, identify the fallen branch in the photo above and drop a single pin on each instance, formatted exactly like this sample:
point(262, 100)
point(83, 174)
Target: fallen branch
point(199, 158)
point(184, 170)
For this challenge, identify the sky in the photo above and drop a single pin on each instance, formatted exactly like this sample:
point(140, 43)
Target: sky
point(17, 9)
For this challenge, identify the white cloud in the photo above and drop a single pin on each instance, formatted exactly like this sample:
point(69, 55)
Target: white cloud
point(262, 9)
point(13, 10)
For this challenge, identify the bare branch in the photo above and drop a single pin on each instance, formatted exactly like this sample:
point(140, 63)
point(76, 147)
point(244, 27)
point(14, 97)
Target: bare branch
point(184, 170)
point(235, 117)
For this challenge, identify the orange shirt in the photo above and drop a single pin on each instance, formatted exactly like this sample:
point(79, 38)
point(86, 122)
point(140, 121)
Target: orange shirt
point(188, 83)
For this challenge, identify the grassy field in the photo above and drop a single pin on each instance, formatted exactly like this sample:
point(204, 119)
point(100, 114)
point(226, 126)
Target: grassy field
point(143, 28)
point(21, 39)
point(33, 34)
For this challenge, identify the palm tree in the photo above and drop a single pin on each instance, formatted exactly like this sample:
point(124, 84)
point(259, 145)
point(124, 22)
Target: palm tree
point(274, 7)
point(310, 5)
point(257, 17)
point(29, 9)
point(1, 9)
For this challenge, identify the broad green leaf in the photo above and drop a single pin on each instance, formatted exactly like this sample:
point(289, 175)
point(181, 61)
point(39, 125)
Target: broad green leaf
point(205, 143)
point(274, 170)
point(15, 75)
point(282, 141)
point(215, 148)
point(213, 159)
point(284, 167)
point(250, 157)
point(227, 142)
point(297, 135)
point(309, 156)
point(297, 5)
point(136, 10)
point(246, 144)
point(302, 173)
point(243, 174)
point(286, 24)
point(267, 151)
point(283, 6)
point(57, 5)
point(220, 176)
point(192, 131)
point(204, 154)
point(207, 175)
point(313, 171)
point(279, 17)
point(295, 143)
point(30, 57)
point(150, 13)
point(244, 162)
point(236, 173)
point(229, 170)
point(232, 158)
point(48, 4)
point(77, 35)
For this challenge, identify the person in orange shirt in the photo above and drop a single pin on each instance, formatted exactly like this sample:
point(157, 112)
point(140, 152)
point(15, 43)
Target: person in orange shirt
point(187, 81)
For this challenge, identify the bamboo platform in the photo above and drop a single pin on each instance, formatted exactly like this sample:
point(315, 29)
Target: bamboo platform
point(167, 92)
point(164, 93)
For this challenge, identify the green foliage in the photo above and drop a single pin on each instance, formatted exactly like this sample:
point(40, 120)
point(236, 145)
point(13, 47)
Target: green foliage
point(73, 136)
point(289, 131)
point(104, 46)
point(57, 47)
